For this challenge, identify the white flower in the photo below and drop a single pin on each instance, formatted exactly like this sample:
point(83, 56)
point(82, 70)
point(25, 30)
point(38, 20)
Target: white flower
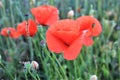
point(93, 77)
point(70, 14)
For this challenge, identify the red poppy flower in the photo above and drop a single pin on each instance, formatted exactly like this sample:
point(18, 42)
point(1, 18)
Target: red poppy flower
point(45, 15)
point(10, 32)
point(64, 36)
point(27, 28)
point(91, 26)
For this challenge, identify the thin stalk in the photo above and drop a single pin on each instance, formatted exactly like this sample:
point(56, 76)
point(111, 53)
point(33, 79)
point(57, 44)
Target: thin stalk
point(75, 69)
point(48, 54)
point(32, 75)
point(7, 71)
point(26, 77)
point(59, 65)
point(76, 7)
point(31, 49)
point(38, 77)
point(30, 43)
point(11, 11)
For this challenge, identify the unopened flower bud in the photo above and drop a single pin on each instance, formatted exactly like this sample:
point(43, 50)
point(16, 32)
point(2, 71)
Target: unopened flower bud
point(34, 65)
point(70, 14)
point(32, 2)
point(93, 77)
point(1, 5)
point(42, 43)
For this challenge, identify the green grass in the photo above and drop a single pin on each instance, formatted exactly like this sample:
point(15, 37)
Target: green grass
point(101, 59)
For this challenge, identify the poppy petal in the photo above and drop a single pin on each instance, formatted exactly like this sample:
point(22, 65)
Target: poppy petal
point(4, 32)
point(46, 14)
point(54, 44)
point(53, 18)
point(85, 22)
point(73, 50)
point(15, 35)
point(97, 29)
point(91, 24)
point(32, 27)
point(88, 41)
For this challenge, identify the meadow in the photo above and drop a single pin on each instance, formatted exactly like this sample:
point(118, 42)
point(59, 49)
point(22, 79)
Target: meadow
point(29, 58)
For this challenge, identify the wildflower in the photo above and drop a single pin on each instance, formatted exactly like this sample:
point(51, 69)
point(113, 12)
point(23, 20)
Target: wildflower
point(27, 28)
point(91, 26)
point(64, 36)
point(70, 14)
point(34, 65)
point(9, 31)
point(68, 35)
point(93, 77)
point(45, 15)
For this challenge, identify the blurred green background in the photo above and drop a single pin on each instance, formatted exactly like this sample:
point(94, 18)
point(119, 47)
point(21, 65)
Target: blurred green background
point(101, 59)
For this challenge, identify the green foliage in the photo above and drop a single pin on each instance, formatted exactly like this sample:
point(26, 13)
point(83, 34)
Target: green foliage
point(101, 59)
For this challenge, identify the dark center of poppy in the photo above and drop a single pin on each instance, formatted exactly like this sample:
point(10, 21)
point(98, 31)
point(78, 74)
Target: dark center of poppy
point(93, 25)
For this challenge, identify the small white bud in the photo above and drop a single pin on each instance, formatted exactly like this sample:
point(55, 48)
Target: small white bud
point(1, 4)
point(32, 2)
point(93, 77)
point(34, 65)
point(70, 14)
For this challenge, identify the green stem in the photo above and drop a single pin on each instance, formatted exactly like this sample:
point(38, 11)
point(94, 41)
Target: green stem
point(26, 77)
point(7, 71)
point(32, 75)
point(11, 11)
point(59, 65)
point(31, 49)
point(48, 54)
point(76, 7)
point(75, 69)
point(30, 43)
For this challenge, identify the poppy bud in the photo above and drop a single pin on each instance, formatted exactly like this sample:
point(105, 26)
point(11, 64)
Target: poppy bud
point(42, 42)
point(93, 77)
point(32, 2)
point(70, 14)
point(1, 5)
point(34, 65)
